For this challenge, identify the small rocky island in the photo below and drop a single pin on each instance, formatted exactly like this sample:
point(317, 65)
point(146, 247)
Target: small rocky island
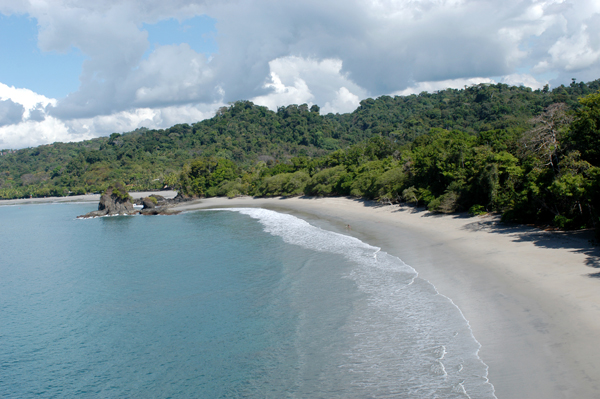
point(117, 201)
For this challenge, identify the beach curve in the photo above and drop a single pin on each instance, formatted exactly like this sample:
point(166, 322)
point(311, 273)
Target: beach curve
point(530, 296)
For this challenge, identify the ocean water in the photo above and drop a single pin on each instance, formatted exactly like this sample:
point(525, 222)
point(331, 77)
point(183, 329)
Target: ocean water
point(236, 303)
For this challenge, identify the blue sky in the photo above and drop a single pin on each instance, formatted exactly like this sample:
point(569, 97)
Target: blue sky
point(73, 70)
point(60, 72)
point(199, 32)
point(22, 59)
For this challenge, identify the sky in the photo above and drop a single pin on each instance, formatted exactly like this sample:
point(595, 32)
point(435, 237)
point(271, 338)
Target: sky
point(73, 70)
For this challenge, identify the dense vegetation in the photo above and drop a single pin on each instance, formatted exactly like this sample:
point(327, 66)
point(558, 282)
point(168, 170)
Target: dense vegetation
point(247, 134)
point(532, 155)
point(149, 159)
point(548, 174)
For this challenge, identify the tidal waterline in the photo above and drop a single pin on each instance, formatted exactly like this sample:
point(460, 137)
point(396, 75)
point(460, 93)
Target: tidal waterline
point(245, 303)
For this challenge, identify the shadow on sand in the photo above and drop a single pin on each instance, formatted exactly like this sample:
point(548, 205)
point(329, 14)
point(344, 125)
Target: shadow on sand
point(581, 241)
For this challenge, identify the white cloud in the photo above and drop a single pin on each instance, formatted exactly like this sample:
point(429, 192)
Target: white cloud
point(514, 79)
point(575, 52)
point(33, 133)
point(30, 100)
point(172, 74)
point(35, 127)
point(523, 79)
point(10, 112)
point(344, 101)
point(441, 85)
point(330, 53)
point(297, 80)
point(297, 93)
point(152, 118)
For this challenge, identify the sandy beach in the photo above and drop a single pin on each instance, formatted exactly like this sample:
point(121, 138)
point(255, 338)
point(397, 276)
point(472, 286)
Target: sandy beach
point(532, 297)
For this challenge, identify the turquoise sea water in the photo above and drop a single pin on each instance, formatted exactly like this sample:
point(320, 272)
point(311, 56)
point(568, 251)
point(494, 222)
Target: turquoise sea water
point(245, 303)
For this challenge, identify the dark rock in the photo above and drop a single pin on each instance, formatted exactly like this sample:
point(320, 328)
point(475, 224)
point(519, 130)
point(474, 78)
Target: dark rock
point(114, 201)
point(161, 210)
point(159, 198)
point(181, 198)
point(162, 201)
point(148, 203)
point(92, 214)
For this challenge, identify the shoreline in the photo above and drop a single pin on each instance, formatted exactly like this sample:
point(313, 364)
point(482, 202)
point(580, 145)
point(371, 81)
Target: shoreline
point(531, 297)
point(82, 198)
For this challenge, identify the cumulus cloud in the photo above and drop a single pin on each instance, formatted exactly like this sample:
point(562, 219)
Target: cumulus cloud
point(37, 114)
point(297, 80)
point(32, 132)
point(141, 117)
point(21, 105)
point(575, 52)
point(441, 85)
point(28, 99)
point(515, 79)
point(330, 53)
point(386, 46)
point(10, 112)
point(523, 79)
point(344, 101)
point(297, 93)
point(173, 74)
point(25, 123)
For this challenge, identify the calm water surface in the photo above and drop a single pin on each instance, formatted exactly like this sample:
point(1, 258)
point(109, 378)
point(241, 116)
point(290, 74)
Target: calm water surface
point(218, 304)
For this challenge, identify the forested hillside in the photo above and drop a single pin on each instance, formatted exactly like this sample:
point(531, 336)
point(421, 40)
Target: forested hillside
point(548, 174)
point(248, 135)
point(144, 159)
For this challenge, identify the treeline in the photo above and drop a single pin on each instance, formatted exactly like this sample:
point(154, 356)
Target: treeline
point(248, 136)
point(547, 174)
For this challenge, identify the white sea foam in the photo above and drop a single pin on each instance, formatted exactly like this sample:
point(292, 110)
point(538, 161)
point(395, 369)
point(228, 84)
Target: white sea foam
point(408, 341)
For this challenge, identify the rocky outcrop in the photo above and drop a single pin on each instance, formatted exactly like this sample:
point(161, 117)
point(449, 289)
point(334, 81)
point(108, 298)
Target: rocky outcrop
point(114, 201)
point(156, 205)
point(149, 202)
point(158, 201)
point(159, 210)
point(179, 198)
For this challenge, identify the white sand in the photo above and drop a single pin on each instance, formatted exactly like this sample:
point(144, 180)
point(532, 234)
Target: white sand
point(529, 295)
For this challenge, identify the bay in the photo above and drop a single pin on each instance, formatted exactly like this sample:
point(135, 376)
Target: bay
point(245, 303)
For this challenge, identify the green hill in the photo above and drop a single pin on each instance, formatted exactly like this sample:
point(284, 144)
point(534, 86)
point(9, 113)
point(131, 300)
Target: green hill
point(248, 135)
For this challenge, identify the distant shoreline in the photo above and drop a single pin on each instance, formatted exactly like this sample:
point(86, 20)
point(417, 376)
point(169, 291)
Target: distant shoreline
point(531, 296)
point(83, 198)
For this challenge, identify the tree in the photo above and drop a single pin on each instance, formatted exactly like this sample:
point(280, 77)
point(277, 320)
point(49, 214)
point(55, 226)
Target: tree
point(585, 132)
point(544, 140)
